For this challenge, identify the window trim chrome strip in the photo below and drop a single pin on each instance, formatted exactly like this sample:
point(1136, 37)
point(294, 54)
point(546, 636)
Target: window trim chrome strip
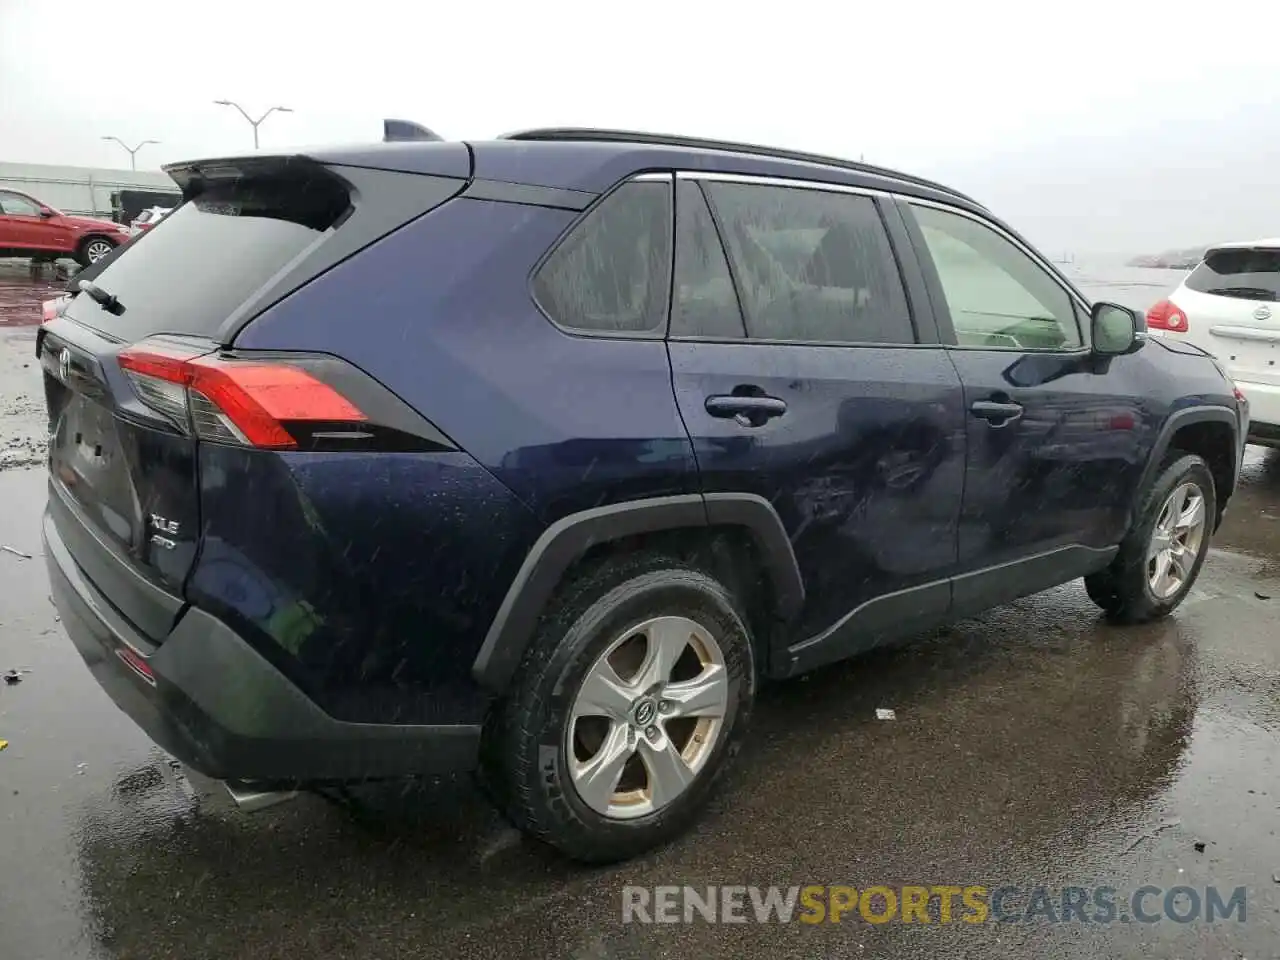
point(709, 175)
point(763, 181)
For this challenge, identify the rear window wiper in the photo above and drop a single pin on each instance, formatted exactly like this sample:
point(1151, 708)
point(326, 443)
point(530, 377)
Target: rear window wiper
point(1250, 293)
point(107, 301)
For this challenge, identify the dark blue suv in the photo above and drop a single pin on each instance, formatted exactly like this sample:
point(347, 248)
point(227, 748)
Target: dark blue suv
point(537, 456)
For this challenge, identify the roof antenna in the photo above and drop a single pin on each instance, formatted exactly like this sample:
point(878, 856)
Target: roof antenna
point(397, 131)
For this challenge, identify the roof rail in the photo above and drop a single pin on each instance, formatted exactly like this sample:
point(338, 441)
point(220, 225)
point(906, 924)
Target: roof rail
point(696, 143)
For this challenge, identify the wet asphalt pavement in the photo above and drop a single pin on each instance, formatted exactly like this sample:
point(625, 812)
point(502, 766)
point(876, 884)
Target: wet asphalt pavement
point(22, 424)
point(1032, 745)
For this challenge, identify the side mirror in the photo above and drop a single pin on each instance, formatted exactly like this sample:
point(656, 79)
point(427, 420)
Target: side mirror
point(1115, 329)
point(46, 213)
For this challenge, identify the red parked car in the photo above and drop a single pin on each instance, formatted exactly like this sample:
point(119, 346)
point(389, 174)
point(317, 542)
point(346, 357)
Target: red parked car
point(29, 228)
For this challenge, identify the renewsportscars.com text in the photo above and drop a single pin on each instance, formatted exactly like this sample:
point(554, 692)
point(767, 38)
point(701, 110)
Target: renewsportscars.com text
point(941, 903)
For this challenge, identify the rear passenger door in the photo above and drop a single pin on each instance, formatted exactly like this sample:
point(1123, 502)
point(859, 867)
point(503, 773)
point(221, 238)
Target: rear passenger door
point(802, 378)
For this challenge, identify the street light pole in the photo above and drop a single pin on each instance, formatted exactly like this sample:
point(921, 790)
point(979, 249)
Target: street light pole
point(252, 122)
point(133, 151)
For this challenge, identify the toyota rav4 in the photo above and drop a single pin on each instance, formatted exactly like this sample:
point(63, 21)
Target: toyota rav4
point(536, 456)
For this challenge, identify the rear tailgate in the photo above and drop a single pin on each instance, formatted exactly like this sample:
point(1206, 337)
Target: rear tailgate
point(1232, 303)
point(124, 484)
point(122, 480)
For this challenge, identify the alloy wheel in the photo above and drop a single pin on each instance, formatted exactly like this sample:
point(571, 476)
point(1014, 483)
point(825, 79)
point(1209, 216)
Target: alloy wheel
point(1176, 540)
point(97, 250)
point(647, 717)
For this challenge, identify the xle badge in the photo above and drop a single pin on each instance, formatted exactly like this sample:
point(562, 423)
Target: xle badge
point(166, 530)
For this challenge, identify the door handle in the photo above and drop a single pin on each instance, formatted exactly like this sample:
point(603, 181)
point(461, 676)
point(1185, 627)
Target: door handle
point(748, 411)
point(996, 413)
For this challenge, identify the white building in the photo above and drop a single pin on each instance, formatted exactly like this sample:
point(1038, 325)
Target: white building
point(79, 190)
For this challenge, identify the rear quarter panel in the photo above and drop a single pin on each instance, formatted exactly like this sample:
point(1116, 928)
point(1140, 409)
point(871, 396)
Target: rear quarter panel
point(397, 564)
point(369, 580)
point(441, 313)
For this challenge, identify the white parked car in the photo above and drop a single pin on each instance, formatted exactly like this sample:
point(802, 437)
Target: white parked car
point(1229, 305)
point(148, 218)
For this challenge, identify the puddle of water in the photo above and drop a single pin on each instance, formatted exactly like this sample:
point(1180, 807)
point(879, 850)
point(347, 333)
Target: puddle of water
point(21, 293)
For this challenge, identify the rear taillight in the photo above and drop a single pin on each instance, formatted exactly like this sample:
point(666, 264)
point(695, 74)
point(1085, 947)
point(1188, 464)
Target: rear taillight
point(248, 402)
point(51, 308)
point(1167, 315)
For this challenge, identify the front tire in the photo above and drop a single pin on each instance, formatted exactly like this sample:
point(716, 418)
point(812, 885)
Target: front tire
point(1161, 557)
point(93, 249)
point(631, 700)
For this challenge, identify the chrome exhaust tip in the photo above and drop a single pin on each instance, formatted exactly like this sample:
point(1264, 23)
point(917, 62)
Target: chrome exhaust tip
point(251, 798)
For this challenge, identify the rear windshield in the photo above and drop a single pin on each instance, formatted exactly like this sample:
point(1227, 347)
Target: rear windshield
point(206, 258)
point(1247, 274)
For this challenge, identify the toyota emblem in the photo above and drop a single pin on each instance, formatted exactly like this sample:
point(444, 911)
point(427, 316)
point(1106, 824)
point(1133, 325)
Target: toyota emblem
point(646, 710)
point(1262, 313)
point(64, 365)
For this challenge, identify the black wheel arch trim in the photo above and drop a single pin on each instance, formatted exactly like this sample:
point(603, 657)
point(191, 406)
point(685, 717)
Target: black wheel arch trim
point(1164, 440)
point(566, 540)
point(89, 238)
point(758, 516)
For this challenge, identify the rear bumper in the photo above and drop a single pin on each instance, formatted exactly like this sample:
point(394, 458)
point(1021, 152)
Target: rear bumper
point(219, 706)
point(1264, 411)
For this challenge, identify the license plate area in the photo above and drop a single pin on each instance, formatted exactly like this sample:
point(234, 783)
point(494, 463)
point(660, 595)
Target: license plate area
point(1248, 354)
point(88, 459)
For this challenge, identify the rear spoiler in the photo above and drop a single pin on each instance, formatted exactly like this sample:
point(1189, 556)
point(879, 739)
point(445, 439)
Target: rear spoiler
point(190, 175)
point(1262, 247)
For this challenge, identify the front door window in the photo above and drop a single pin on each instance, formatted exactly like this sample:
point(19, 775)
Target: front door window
point(16, 205)
point(999, 298)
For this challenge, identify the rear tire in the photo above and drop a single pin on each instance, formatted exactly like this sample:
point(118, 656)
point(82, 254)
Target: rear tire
point(1160, 558)
point(603, 772)
point(93, 249)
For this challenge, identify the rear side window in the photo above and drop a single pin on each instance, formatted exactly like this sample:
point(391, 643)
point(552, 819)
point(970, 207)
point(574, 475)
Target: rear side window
point(201, 262)
point(1247, 274)
point(703, 301)
point(612, 273)
point(812, 265)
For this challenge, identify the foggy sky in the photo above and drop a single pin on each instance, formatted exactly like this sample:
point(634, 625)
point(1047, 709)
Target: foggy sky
point(1091, 126)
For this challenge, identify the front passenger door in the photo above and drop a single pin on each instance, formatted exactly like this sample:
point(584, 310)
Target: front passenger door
point(802, 379)
point(1057, 436)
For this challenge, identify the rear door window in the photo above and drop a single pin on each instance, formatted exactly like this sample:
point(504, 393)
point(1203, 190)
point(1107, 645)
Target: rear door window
point(812, 265)
point(703, 301)
point(194, 268)
point(1249, 274)
point(612, 273)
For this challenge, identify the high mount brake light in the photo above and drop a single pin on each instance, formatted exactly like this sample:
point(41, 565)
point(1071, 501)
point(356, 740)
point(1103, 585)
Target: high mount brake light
point(249, 402)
